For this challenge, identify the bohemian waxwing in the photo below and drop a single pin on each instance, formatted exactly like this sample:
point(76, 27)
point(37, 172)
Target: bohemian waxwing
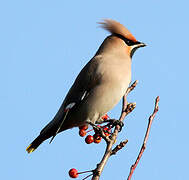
point(99, 86)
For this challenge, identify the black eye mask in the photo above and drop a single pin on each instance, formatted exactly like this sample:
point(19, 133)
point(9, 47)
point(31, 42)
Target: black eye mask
point(127, 41)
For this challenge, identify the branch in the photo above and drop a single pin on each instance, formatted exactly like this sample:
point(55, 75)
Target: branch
point(133, 167)
point(119, 147)
point(126, 109)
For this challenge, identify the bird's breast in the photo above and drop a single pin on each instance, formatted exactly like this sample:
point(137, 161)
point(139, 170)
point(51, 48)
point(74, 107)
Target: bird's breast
point(115, 69)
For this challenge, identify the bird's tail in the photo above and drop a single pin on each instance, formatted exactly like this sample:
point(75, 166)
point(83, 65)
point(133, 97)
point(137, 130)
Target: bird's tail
point(35, 144)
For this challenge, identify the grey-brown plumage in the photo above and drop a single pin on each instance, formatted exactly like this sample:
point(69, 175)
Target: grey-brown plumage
point(99, 86)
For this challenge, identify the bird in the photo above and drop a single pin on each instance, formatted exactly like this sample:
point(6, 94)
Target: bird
point(99, 86)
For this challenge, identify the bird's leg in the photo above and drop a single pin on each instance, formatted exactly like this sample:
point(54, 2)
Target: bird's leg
point(114, 122)
point(99, 130)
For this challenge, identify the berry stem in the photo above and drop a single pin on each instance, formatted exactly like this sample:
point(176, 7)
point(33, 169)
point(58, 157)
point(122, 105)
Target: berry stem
point(84, 172)
point(89, 130)
point(87, 176)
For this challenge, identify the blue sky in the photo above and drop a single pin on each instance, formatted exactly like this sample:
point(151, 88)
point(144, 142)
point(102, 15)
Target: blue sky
point(44, 44)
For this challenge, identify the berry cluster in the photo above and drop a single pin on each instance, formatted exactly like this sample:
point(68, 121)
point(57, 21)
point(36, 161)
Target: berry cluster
point(96, 138)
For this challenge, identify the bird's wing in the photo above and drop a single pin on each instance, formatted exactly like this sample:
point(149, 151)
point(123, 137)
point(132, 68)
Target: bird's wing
point(86, 80)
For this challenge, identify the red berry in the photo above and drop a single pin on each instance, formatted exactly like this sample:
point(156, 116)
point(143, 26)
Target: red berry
point(73, 173)
point(107, 134)
point(105, 128)
point(84, 127)
point(97, 138)
point(82, 132)
point(105, 117)
point(107, 131)
point(89, 139)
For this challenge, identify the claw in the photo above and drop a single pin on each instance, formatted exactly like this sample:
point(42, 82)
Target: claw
point(114, 122)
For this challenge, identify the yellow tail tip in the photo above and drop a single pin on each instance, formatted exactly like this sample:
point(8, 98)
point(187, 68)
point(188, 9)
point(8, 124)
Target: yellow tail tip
point(30, 149)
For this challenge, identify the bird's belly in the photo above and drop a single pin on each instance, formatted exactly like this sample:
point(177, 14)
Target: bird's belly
point(101, 100)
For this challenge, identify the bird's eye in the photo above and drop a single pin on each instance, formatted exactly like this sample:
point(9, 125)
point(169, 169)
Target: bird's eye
point(128, 42)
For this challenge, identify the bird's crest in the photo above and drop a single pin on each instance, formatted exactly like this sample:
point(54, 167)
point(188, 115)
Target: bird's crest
point(115, 27)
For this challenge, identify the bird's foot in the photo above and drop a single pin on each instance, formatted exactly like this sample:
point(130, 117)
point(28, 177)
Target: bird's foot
point(115, 122)
point(101, 130)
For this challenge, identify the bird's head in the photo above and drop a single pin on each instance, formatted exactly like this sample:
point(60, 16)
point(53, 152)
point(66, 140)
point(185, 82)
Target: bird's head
point(120, 31)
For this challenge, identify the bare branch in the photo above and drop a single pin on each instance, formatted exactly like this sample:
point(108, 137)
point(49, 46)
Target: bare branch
point(119, 147)
point(126, 109)
point(131, 87)
point(133, 167)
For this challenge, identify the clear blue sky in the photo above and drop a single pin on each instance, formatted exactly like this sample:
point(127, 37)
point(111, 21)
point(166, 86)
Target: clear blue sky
point(43, 46)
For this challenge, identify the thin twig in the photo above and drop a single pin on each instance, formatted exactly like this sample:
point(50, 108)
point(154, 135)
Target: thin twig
point(133, 167)
point(119, 147)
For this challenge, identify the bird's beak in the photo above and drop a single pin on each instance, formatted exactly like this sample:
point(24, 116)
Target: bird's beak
point(135, 47)
point(142, 45)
